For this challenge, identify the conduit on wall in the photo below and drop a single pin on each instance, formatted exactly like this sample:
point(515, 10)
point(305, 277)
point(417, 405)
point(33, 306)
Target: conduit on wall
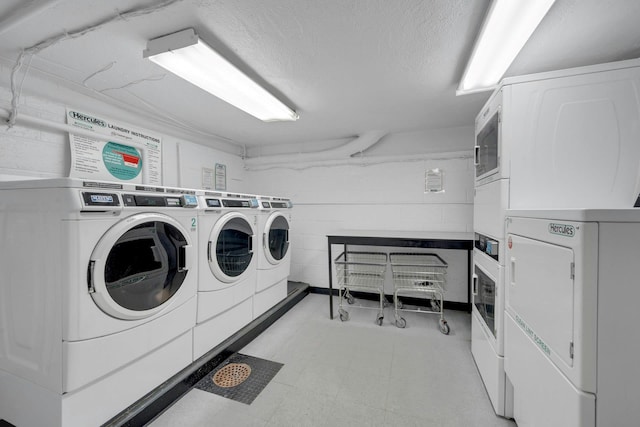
point(29, 52)
point(48, 124)
point(347, 154)
point(223, 145)
point(366, 161)
point(352, 148)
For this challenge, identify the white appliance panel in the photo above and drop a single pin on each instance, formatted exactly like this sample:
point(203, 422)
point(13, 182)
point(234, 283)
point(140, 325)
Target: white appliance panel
point(558, 313)
point(618, 333)
point(149, 371)
point(129, 345)
point(489, 364)
point(577, 140)
point(541, 292)
point(31, 317)
point(212, 303)
point(269, 277)
point(210, 333)
point(543, 396)
point(99, 401)
point(489, 205)
point(268, 298)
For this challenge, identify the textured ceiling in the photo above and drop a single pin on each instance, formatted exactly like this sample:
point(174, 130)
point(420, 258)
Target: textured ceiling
point(346, 66)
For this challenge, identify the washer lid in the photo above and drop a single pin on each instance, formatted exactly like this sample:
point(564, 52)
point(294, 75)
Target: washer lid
point(139, 265)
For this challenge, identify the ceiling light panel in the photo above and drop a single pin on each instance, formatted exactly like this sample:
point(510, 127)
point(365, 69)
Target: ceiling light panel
point(185, 55)
point(505, 30)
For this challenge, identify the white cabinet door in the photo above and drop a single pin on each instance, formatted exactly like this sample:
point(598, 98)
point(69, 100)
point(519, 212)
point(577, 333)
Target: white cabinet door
point(540, 294)
point(489, 205)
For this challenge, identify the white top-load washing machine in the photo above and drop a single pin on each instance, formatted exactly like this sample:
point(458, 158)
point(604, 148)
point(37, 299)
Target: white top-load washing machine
point(572, 341)
point(98, 296)
point(274, 252)
point(227, 267)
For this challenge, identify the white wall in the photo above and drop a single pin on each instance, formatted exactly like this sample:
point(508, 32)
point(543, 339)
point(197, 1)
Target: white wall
point(194, 157)
point(374, 193)
point(378, 191)
point(29, 152)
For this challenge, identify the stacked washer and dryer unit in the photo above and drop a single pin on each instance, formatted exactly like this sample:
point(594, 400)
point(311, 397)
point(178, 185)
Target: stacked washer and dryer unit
point(98, 296)
point(572, 242)
point(491, 200)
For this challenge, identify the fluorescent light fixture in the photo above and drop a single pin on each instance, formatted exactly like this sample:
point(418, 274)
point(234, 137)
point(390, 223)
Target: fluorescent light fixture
point(184, 54)
point(505, 30)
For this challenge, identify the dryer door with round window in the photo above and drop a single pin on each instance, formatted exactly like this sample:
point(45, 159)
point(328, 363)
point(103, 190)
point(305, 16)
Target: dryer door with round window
point(276, 238)
point(139, 265)
point(230, 247)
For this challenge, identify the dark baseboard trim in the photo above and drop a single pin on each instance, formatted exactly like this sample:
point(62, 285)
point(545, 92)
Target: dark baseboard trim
point(420, 302)
point(162, 397)
point(4, 423)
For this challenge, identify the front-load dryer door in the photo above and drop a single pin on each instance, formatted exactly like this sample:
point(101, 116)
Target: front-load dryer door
point(275, 238)
point(230, 247)
point(139, 265)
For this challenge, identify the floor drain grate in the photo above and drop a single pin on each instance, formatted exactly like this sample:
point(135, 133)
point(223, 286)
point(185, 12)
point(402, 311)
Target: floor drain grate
point(240, 377)
point(232, 375)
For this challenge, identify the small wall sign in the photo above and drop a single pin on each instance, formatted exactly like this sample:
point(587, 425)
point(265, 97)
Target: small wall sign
point(433, 181)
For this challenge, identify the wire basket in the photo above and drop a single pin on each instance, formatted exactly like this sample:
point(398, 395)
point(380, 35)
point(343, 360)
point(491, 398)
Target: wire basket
point(360, 271)
point(418, 273)
point(234, 264)
point(363, 270)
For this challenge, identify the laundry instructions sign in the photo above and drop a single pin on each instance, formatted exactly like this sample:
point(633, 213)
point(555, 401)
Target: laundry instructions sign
point(117, 152)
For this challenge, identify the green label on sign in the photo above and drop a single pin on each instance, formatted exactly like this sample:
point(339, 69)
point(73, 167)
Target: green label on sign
point(122, 161)
point(536, 339)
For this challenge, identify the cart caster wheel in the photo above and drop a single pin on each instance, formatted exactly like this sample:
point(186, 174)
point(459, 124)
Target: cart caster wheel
point(344, 316)
point(400, 322)
point(351, 299)
point(444, 327)
point(379, 320)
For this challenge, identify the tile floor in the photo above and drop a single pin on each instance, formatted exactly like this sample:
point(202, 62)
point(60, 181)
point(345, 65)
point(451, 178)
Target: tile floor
point(354, 373)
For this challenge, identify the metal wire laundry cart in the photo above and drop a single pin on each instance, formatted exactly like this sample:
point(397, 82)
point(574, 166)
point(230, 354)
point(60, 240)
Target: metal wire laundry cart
point(419, 273)
point(360, 271)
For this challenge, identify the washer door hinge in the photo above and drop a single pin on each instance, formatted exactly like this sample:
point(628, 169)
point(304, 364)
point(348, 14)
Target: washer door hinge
point(571, 349)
